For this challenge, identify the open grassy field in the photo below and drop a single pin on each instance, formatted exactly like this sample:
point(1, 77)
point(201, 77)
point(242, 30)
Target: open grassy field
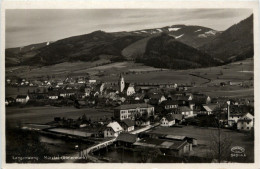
point(204, 137)
point(238, 72)
point(15, 115)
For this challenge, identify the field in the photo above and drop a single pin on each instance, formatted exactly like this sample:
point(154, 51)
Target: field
point(206, 80)
point(15, 115)
point(204, 137)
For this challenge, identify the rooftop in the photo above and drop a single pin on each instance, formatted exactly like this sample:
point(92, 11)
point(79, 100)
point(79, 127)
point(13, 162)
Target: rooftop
point(115, 126)
point(161, 143)
point(21, 96)
point(128, 122)
point(126, 137)
point(133, 106)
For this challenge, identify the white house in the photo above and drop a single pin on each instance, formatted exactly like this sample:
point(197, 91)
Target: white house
point(246, 122)
point(113, 129)
point(130, 111)
point(170, 104)
point(130, 90)
point(92, 81)
point(186, 111)
point(167, 121)
point(208, 109)
point(128, 125)
point(22, 99)
point(142, 122)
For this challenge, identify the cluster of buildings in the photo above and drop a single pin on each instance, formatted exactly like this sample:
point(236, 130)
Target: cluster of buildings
point(137, 104)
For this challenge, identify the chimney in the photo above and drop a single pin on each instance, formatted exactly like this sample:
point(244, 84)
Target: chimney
point(228, 109)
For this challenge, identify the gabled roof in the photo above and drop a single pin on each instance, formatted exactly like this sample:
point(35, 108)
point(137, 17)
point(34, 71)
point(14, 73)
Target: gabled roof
point(209, 107)
point(169, 117)
point(115, 126)
point(184, 108)
point(177, 116)
point(175, 137)
point(170, 102)
point(161, 143)
point(53, 93)
point(126, 137)
point(244, 120)
point(21, 96)
point(156, 96)
point(133, 106)
point(128, 122)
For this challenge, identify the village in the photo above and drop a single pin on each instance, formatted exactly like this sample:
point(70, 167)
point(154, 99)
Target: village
point(140, 111)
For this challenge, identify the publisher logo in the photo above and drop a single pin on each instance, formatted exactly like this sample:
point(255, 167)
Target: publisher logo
point(238, 151)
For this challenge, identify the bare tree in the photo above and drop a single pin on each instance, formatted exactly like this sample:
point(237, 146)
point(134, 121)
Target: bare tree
point(220, 142)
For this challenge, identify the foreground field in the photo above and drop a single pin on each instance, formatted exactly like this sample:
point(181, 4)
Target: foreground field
point(205, 136)
point(46, 114)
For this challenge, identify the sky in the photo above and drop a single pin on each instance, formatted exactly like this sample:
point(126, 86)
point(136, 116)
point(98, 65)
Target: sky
point(29, 26)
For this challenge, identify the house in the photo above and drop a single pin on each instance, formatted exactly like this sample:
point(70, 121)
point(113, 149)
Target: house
point(130, 90)
point(131, 111)
point(87, 91)
point(81, 80)
point(67, 93)
point(139, 96)
point(92, 81)
point(156, 99)
point(192, 141)
point(126, 139)
point(246, 122)
point(235, 112)
point(208, 109)
point(59, 82)
point(186, 111)
point(200, 99)
point(142, 121)
point(167, 121)
point(8, 81)
point(113, 129)
point(9, 100)
point(128, 125)
point(169, 147)
point(53, 95)
point(100, 87)
point(170, 104)
point(178, 118)
point(22, 99)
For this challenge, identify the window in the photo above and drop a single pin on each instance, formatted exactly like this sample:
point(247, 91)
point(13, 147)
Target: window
point(247, 122)
point(247, 128)
point(242, 128)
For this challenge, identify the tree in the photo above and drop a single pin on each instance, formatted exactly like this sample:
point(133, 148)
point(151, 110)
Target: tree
point(220, 146)
point(220, 142)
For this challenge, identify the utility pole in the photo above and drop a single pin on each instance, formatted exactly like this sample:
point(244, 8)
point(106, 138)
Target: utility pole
point(219, 144)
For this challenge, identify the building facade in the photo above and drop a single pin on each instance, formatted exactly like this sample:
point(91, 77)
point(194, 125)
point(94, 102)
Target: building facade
point(131, 111)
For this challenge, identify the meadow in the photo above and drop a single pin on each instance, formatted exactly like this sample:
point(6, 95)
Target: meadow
point(45, 114)
point(206, 80)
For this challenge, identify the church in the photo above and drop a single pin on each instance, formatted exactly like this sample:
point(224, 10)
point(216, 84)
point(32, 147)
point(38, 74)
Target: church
point(125, 88)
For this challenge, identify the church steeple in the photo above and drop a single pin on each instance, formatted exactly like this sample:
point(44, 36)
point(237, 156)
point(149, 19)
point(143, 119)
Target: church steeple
point(121, 83)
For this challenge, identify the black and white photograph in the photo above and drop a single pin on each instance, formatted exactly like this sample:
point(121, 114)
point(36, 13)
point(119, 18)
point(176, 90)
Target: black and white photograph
point(130, 85)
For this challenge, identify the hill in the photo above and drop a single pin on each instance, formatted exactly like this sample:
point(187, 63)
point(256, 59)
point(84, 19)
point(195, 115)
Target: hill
point(87, 47)
point(165, 51)
point(183, 47)
point(235, 43)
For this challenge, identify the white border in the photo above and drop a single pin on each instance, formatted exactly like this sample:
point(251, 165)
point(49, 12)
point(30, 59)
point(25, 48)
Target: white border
point(141, 5)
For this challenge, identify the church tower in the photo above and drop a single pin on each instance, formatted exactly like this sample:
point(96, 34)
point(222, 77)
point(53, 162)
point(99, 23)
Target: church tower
point(121, 83)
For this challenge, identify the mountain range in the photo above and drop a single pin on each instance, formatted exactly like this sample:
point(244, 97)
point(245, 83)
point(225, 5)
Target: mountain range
point(176, 47)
